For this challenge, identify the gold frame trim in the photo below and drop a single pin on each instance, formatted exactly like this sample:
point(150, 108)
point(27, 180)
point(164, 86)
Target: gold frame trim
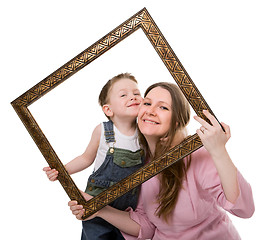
point(142, 20)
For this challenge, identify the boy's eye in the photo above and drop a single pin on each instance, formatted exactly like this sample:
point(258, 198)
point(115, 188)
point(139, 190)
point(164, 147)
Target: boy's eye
point(123, 95)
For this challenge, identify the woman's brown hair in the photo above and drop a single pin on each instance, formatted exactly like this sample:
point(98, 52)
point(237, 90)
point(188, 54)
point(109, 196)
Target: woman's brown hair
point(172, 177)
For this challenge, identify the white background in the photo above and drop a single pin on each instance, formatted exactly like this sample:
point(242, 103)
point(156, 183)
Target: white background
point(220, 44)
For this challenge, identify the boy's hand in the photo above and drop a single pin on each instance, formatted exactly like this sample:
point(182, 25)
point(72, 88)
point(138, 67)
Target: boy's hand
point(52, 174)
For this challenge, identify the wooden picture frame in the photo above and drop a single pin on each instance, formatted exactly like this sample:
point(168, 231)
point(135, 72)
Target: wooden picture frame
point(141, 20)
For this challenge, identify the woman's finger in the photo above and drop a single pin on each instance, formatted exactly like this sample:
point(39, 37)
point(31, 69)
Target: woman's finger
point(203, 129)
point(202, 122)
point(227, 129)
point(76, 208)
point(212, 119)
point(76, 212)
point(80, 214)
point(72, 203)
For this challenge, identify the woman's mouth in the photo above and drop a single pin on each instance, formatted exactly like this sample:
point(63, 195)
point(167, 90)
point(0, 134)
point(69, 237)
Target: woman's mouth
point(150, 121)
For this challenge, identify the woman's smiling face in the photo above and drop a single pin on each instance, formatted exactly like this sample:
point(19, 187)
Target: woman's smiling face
point(155, 114)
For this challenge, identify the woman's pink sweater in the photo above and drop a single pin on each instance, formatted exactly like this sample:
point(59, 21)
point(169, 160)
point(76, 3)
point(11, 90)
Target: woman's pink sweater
point(199, 212)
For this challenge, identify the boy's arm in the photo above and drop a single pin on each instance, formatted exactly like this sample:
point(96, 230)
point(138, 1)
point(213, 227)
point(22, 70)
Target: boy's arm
point(81, 162)
point(87, 158)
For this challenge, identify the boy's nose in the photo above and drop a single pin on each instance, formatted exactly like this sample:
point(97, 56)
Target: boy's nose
point(133, 97)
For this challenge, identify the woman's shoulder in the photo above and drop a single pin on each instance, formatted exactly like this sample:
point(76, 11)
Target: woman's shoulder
point(201, 159)
point(202, 168)
point(199, 154)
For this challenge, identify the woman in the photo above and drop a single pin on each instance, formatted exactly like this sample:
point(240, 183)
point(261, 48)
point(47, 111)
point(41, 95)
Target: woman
point(188, 199)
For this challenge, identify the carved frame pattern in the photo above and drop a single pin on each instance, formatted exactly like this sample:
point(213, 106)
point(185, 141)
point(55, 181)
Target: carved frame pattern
point(142, 20)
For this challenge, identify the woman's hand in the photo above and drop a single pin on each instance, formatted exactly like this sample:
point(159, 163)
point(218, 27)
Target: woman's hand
point(212, 136)
point(214, 139)
point(118, 218)
point(78, 210)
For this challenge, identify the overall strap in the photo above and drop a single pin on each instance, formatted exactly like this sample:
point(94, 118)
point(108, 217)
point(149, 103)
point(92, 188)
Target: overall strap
point(108, 131)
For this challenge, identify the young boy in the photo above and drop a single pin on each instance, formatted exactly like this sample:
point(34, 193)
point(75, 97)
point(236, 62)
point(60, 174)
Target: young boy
point(114, 147)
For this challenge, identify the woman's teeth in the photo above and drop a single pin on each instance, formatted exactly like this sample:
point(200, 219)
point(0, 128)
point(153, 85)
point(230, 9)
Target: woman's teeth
point(148, 121)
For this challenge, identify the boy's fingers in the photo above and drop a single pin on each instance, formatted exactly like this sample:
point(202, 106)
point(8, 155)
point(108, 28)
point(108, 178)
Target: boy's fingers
point(52, 176)
point(46, 169)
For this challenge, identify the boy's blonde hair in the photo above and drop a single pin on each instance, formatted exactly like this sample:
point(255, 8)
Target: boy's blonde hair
point(104, 94)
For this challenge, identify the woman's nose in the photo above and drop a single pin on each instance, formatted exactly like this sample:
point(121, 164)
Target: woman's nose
point(150, 111)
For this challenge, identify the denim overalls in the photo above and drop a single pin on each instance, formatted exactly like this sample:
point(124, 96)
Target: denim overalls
point(118, 164)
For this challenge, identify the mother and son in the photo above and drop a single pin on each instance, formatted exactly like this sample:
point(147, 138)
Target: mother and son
point(187, 200)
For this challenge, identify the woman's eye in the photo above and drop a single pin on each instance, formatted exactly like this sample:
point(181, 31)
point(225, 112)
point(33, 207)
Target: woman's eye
point(164, 108)
point(123, 95)
point(147, 104)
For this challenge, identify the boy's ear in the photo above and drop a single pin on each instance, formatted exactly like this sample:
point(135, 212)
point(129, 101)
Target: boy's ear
point(107, 110)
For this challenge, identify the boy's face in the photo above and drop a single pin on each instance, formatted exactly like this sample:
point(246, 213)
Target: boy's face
point(124, 99)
